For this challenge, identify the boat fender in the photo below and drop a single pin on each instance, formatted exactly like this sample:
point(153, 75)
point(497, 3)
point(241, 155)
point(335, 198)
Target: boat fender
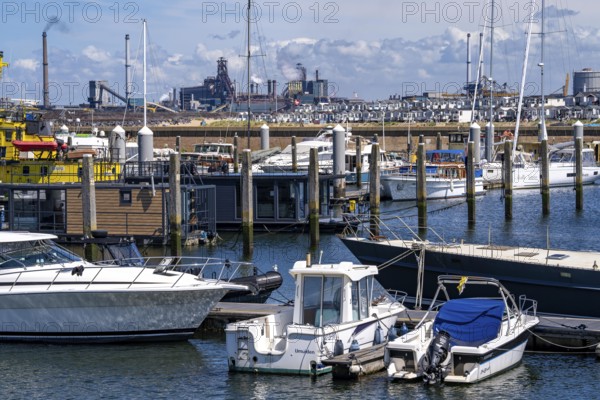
point(338, 348)
point(392, 334)
point(354, 346)
point(77, 270)
point(378, 336)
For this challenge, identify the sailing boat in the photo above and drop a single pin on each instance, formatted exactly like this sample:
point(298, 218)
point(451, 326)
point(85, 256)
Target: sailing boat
point(526, 171)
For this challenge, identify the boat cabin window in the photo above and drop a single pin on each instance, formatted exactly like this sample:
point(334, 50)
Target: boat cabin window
point(322, 300)
point(361, 294)
point(27, 254)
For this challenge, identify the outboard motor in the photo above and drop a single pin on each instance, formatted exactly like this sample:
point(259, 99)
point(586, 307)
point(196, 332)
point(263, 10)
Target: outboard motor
point(435, 356)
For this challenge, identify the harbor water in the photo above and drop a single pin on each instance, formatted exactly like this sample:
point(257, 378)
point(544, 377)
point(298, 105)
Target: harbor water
point(198, 368)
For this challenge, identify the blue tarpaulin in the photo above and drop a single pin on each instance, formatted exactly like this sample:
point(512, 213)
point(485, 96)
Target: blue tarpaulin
point(470, 322)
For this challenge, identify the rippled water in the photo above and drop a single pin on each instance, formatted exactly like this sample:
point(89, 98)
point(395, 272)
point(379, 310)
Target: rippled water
point(198, 369)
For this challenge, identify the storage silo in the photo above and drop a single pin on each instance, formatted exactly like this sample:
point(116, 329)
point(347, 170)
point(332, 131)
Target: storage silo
point(586, 80)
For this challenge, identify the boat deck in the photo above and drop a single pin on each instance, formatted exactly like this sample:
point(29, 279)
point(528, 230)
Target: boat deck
point(560, 258)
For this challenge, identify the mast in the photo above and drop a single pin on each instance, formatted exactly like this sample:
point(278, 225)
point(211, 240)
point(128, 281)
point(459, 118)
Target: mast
point(127, 69)
point(248, 67)
point(543, 134)
point(489, 137)
point(144, 68)
point(523, 74)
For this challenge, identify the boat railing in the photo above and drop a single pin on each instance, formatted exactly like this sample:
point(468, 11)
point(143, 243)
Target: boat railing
point(227, 270)
point(378, 228)
point(527, 306)
point(203, 267)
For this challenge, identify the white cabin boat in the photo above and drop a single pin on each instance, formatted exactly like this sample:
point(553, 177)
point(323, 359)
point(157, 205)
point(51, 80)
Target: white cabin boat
point(338, 308)
point(472, 337)
point(49, 294)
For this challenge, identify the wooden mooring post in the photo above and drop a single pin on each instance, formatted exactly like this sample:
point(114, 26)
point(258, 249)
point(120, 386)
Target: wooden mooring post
point(507, 172)
point(471, 183)
point(88, 198)
point(175, 204)
point(421, 186)
point(247, 204)
point(374, 189)
point(578, 136)
point(313, 197)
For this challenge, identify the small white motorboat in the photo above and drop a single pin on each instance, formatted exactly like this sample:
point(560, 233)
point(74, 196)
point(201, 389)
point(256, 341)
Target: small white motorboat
point(49, 294)
point(338, 308)
point(470, 339)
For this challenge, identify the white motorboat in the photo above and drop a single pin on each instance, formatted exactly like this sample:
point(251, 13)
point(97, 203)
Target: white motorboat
point(338, 308)
point(561, 168)
point(445, 178)
point(470, 339)
point(49, 294)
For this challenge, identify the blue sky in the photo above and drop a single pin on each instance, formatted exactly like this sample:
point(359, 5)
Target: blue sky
point(366, 49)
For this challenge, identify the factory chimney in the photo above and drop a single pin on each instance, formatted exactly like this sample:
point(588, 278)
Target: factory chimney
point(45, 71)
point(127, 69)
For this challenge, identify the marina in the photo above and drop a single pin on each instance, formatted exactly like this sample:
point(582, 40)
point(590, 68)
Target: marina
point(385, 251)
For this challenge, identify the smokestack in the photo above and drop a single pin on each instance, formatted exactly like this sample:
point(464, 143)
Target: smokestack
point(269, 87)
point(274, 89)
point(468, 58)
point(45, 71)
point(127, 68)
point(317, 75)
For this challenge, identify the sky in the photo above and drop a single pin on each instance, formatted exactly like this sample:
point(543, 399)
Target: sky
point(369, 50)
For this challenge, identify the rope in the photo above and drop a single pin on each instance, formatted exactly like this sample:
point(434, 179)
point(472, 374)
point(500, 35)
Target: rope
point(563, 346)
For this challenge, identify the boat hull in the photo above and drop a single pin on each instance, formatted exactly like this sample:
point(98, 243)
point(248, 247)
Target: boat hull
point(404, 187)
point(549, 285)
point(258, 346)
point(404, 357)
point(105, 315)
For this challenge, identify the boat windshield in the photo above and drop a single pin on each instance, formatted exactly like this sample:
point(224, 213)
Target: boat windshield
point(26, 254)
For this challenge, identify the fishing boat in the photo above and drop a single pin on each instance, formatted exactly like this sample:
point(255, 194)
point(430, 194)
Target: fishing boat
point(49, 294)
point(556, 278)
point(472, 337)
point(446, 178)
point(338, 308)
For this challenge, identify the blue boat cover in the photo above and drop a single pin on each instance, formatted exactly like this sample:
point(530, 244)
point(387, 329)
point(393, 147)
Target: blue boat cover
point(470, 322)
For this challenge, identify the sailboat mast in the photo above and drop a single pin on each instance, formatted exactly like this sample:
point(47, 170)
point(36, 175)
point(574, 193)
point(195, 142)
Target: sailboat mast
point(248, 68)
point(543, 134)
point(144, 67)
point(489, 137)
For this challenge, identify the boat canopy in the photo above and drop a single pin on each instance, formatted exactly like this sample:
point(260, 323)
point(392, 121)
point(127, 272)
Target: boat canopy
point(471, 321)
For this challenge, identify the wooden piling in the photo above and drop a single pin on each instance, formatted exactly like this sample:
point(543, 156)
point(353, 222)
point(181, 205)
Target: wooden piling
point(545, 177)
point(471, 183)
point(247, 204)
point(374, 189)
point(358, 163)
point(175, 204)
point(295, 155)
point(578, 138)
point(578, 174)
point(438, 141)
point(507, 171)
point(88, 198)
point(313, 196)
point(178, 144)
point(236, 154)
point(421, 186)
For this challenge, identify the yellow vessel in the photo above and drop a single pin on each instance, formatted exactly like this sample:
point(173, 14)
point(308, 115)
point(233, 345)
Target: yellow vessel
point(29, 152)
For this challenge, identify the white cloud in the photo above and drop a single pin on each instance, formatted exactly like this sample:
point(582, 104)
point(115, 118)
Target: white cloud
point(95, 54)
point(26, 63)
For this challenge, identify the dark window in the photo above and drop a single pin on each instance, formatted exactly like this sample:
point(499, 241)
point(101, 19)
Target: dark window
point(125, 197)
point(26, 170)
